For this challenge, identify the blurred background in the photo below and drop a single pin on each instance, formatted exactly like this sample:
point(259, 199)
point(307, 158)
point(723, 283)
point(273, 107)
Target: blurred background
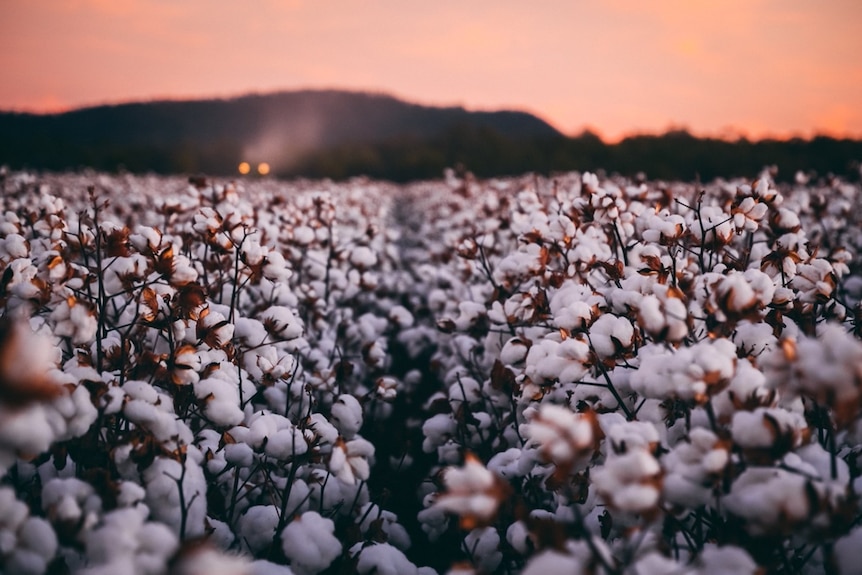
point(396, 90)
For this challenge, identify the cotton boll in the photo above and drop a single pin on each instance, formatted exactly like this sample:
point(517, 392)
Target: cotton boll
point(483, 545)
point(221, 401)
point(349, 461)
point(610, 335)
point(309, 543)
point(239, 454)
point(280, 322)
point(772, 500)
point(550, 561)
point(383, 559)
point(346, 415)
point(472, 492)
point(374, 518)
point(629, 482)
point(163, 494)
point(564, 438)
point(286, 443)
point(257, 527)
point(263, 567)
point(206, 560)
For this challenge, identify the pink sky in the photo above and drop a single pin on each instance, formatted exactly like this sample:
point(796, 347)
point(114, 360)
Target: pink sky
point(717, 67)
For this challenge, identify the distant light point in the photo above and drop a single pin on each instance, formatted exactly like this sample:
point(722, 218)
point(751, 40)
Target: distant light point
point(263, 168)
point(244, 168)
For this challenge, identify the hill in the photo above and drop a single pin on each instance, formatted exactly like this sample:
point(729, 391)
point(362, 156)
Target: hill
point(338, 134)
point(215, 135)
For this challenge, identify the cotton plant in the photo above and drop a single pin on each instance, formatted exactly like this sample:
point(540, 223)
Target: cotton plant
point(584, 373)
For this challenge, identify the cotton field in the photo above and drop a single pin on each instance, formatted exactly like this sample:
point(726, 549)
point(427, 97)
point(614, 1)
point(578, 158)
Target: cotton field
point(576, 374)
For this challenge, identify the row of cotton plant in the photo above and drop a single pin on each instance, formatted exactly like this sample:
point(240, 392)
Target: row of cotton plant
point(576, 374)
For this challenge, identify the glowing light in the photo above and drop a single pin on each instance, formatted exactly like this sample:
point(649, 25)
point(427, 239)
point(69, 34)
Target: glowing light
point(263, 168)
point(244, 168)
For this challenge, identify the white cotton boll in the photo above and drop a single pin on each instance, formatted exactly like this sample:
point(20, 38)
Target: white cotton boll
point(726, 560)
point(549, 360)
point(263, 567)
point(383, 559)
point(573, 306)
point(280, 322)
point(518, 536)
point(303, 235)
point(239, 454)
point(219, 533)
point(466, 389)
point(346, 415)
point(629, 481)
point(309, 543)
point(78, 413)
point(221, 401)
point(13, 246)
point(25, 431)
point(611, 334)
point(116, 537)
point(324, 431)
point(37, 535)
point(163, 494)
point(547, 562)
point(437, 429)
point(754, 338)
point(210, 561)
point(25, 562)
point(514, 351)
point(846, 552)
point(764, 427)
point(156, 544)
point(363, 257)
point(12, 514)
point(257, 527)
point(484, 548)
point(375, 518)
point(262, 425)
point(129, 494)
point(507, 464)
point(769, 499)
point(286, 443)
point(626, 435)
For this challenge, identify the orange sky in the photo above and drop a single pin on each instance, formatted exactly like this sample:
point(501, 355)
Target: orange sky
point(717, 67)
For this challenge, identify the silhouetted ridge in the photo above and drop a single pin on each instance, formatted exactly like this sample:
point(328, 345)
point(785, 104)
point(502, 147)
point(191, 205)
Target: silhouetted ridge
point(337, 134)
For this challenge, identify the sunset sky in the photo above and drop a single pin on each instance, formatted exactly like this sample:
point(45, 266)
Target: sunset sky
point(722, 67)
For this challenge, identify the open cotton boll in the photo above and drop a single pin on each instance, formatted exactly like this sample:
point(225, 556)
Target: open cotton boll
point(221, 401)
point(550, 360)
point(163, 479)
point(484, 547)
point(346, 415)
point(257, 527)
point(629, 482)
point(691, 467)
point(472, 492)
point(574, 306)
point(382, 559)
point(562, 437)
point(372, 517)
point(207, 560)
point(768, 431)
point(609, 335)
point(286, 443)
point(263, 567)
point(363, 257)
point(280, 322)
point(309, 543)
point(550, 561)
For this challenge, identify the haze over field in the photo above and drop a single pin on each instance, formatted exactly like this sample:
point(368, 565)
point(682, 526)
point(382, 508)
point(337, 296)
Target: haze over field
point(765, 67)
